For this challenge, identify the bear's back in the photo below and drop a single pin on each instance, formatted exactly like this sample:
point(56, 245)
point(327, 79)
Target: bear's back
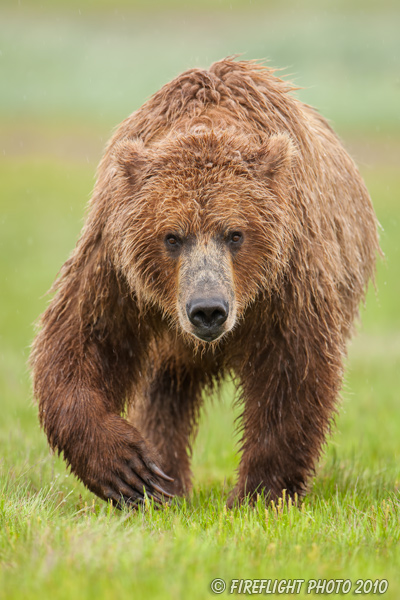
point(244, 93)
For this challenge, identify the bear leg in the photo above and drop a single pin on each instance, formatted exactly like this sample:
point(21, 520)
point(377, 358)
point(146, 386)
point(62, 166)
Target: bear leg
point(289, 397)
point(167, 416)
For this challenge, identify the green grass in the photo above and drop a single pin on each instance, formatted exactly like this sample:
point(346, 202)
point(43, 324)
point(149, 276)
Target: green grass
point(67, 81)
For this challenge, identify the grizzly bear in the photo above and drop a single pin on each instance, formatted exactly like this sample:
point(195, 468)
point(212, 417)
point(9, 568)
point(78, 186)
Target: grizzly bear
point(229, 234)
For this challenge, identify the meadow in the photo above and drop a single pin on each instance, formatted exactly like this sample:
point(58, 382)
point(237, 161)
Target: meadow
point(71, 72)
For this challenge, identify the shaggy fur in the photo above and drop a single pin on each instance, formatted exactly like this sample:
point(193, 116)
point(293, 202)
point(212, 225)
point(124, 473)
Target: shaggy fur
point(221, 188)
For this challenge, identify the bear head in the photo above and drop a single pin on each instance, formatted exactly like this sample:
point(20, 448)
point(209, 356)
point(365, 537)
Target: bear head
point(201, 223)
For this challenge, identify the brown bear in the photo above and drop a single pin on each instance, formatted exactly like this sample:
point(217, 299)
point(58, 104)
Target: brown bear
point(229, 234)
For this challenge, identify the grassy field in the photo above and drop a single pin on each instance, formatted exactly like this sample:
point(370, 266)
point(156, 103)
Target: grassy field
point(67, 78)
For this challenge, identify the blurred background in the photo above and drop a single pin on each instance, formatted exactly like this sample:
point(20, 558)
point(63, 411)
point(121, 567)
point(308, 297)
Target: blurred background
point(70, 71)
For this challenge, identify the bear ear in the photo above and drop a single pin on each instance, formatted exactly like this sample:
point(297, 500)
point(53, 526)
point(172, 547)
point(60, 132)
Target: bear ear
point(274, 159)
point(130, 159)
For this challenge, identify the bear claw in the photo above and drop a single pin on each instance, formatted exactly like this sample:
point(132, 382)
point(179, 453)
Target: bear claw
point(157, 471)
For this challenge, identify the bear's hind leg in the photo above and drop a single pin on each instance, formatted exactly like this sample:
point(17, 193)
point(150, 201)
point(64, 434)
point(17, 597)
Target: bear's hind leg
point(167, 415)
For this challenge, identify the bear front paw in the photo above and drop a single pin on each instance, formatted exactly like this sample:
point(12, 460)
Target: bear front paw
point(126, 471)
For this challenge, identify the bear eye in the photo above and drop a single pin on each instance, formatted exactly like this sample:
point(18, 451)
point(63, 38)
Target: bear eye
point(173, 242)
point(236, 238)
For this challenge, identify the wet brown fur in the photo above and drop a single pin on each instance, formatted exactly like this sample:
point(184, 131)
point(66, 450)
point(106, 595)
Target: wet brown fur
point(210, 152)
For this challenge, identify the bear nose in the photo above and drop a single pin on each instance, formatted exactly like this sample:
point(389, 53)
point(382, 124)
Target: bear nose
point(207, 314)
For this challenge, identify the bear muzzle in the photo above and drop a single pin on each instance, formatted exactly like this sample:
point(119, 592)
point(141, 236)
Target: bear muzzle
point(208, 316)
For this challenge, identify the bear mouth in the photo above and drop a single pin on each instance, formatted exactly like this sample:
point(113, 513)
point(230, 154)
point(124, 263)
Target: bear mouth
point(208, 336)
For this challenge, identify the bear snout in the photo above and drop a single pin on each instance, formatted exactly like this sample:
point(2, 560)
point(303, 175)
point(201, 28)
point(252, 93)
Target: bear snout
point(207, 315)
